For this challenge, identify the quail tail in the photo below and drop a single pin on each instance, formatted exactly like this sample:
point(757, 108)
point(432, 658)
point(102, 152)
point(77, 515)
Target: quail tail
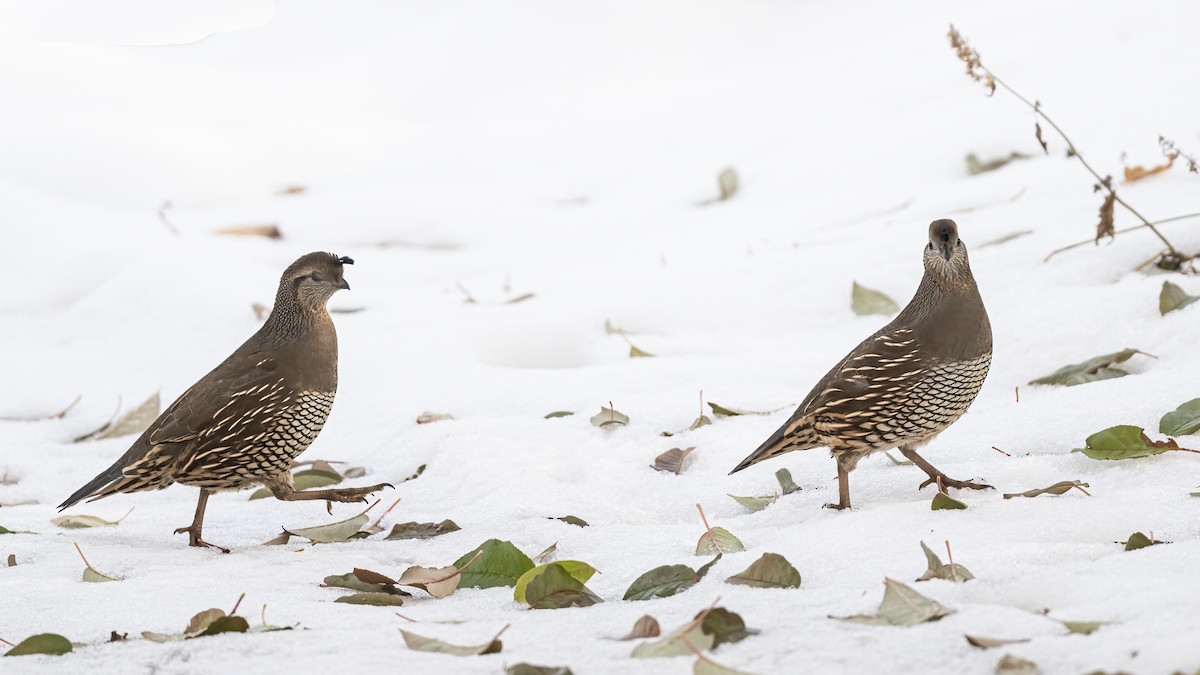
point(95, 485)
point(786, 438)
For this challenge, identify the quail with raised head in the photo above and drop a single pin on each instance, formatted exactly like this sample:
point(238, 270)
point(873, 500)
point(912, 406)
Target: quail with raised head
point(905, 384)
point(245, 422)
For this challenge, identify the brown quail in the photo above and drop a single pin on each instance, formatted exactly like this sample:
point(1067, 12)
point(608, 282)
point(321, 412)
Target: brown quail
point(905, 384)
point(246, 421)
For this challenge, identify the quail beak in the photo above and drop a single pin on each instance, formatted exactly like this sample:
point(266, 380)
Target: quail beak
point(342, 284)
point(947, 251)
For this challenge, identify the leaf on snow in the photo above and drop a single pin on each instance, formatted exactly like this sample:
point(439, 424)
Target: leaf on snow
point(377, 599)
point(5, 530)
point(608, 418)
point(939, 570)
point(943, 501)
point(1094, 369)
point(988, 643)
point(547, 555)
point(734, 412)
point(580, 571)
point(421, 643)
point(677, 643)
point(754, 503)
point(500, 564)
point(706, 666)
point(1059, 488)
point(865, 301)
point(1182, 421)
point(415, 530)
point(1138, 172)
point(645, 627)
point(570, 520)
point(769, 571)
point(785, 481)
point(80, 521)
point(1084, 627)
point(1015, 665)
point(355, 581)
point(428, 416)
point(1138, 540)
point(727, 183)
point(342, 530)
point(558, 413)
point(556, 587)
point(718, 540)
point(91, 575)
point(530, 669)
point(1124, 441)
point(227, 624)
point(902, 606)
point(269, 230)
point(724, 626)
point(1172, 297)
point(671, 461)
point(662, 582)
point(44, 643)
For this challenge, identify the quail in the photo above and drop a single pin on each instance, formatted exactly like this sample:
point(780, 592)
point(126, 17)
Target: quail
point(905, 384)
point(245, 422)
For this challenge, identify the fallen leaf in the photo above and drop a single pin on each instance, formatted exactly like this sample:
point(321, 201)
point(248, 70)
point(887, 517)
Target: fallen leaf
point(580, 571)
point(754, 503)
point(427, 417)
point(558, 413)
point(91, 575)
point(865, 301)
point(1182, 421)
point(500, 564)
point(270, 231)
point(679, 643)
point(943, 501)
point(735, 412)
point(342, 530)
point(975, 166)
point(421, 643)
point(718, 540)
point(556, 587)
point(377, 599)
point(415, 530)
point(1092, 370)
point(727, 183)
point(701, 421)
point(662, 582)
point(546, 555)
point(1105, 227)
point(1136, 173)
point(12, 558)
point(1138, 540)
point(645, 627)
point(283, 538)
point(226, 624)
point(201, 621)
point(785, 482)
point(354, 582)
point(1172, 297)
point(939, 570)
point(671, 461)
point(902, 606)
point(989, 643)
point(609, 418)
point(1012, 665)
point(73, 522)
point(1084, 627)
point(636, 353)
point(1059, 488)
point(44, 643)
point(530, 669)
point(706, 666)
point(1124, 441)
point(5, 530)
point(769, 571)
point(724, 626)
point(571, 520)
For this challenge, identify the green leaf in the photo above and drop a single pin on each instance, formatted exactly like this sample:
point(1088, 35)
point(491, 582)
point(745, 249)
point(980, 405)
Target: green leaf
point(92, 576)
point(45, 643)
point(939, 570)
point(727, 183)
point(5, 530)
point(530, 669)
point(353, 582)
point(865, 301)
point(342, 530)
point(1059, 488)
point(1182, 421)
point(578, 570)
point(1084, 627)
point(1092, 370)
point(671, 461)
point(608, 418)
point(710, 667)
point(735, 412)
point(227, 624)
point(724, 626)
point(415, 530)
point(201, 621)
point(75, 522)
point(785, 482)
point(572, 520)
point(676, 644)
point(754, 503)
point(902, 606)
point(555, 587)
point(701, 421)
point(1172, 297)
point(718, 540)
point(501, 564)
point(558, 413)
point(770, 571)
point(377, 599)
point(421, 643)
point(943, 501)
point(1124, 441)
point(662, 582)
point(634, 352)
point(1138, 540)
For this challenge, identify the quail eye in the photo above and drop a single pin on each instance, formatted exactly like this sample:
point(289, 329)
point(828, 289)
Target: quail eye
point(930, 246)
point(315, 276)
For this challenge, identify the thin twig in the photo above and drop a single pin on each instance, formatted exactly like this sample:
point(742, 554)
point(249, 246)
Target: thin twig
point(239, 604)
point(389, 510)
point(10, 644)
point(953, 567)
point(1121, 231)
point(705, 520)
point(1001, 451)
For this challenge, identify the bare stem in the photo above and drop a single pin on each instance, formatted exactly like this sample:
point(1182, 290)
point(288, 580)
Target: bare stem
point(953, 567)
point(705, 520)
point(239, 604)
point(1122, 231)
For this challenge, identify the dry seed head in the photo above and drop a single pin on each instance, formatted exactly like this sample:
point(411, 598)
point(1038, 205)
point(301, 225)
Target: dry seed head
point(967, 54)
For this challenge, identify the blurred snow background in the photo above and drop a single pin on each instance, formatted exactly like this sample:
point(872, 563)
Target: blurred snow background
point(563, 149)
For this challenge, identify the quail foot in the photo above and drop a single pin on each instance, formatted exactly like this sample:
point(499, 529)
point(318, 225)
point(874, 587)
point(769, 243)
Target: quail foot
point(245, 422)
point(905, 384)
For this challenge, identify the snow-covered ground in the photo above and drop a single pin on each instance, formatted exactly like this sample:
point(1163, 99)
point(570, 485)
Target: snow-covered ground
point(563, 149)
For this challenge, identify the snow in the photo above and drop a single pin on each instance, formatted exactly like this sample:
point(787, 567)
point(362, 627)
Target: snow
point(562, 150)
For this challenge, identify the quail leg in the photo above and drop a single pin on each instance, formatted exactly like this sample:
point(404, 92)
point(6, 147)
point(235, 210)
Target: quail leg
point(194, 530)
point(843, 488)
point(937, 477)
point(288, 493)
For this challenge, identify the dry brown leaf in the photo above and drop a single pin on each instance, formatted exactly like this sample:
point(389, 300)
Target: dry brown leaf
point(1135, 173)
point(1106, 228)
point(671, 461)
point(270, 231)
